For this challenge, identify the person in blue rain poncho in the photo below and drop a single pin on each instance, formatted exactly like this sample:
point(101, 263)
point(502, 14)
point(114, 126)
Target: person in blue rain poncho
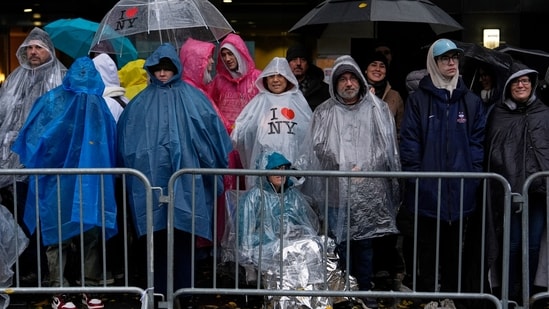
point(275, 119)
point(71, 126)
point(353, 131)
point(168, 126)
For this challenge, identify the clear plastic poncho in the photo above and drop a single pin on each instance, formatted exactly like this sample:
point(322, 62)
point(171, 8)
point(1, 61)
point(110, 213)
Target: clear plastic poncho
point(272, 122)
point(12, 243)
point(19, 92)
point(358, 138)
point(273, 227)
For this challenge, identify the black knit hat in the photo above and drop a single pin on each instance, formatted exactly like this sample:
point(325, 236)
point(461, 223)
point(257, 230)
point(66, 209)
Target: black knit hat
point(298, 51)
point(376, 56)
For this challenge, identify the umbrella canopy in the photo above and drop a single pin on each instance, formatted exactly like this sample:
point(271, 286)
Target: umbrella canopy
point(149, 23)
point(74, 37)
point(476, 56)
point(535, 59)
point(344, 11)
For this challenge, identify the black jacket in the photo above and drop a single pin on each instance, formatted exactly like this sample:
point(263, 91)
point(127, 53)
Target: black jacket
point(316, 90)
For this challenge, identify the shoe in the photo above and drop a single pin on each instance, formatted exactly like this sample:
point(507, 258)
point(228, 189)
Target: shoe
point(59, 302)
point(91, 302)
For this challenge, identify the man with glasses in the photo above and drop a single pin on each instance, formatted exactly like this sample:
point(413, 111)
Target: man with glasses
point(353, 131)
point(442, 131)
point(517, 139)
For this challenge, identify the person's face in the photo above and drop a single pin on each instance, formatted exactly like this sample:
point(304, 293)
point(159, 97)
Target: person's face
point(521, 88)
point(276, 83)
point(37, 55)
point(229, 59)
point(299, 67)
point(448, 64)
point(163, 75)
point(485, 80)
point(348, 87)
point(376, 71)
point(277, 181)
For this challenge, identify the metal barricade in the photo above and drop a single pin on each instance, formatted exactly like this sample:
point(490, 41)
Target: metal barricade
point(531, 297)
point(479, 295)
point(79, 283)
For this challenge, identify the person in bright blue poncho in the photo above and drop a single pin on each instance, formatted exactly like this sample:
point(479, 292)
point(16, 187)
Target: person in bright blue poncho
point(171, 125)
point(71, 126)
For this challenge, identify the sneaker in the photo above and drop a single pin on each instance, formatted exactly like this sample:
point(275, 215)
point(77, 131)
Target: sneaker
point(91, 302)
point(59, 302)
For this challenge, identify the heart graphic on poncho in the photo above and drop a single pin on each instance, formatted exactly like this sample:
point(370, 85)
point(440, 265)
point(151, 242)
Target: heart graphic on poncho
point(288, 113)
point(131, 12)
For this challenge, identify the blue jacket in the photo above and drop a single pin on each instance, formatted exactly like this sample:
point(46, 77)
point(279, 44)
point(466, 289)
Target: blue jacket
point(440, 133)
point(167, 127)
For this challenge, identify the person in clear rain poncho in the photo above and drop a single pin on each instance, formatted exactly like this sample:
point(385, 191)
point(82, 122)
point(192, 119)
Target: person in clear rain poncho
point(353, 131)
point(275, 119)
point(275, 221)
point(38, 72)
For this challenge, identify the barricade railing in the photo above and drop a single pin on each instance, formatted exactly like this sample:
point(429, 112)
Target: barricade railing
point(536, 295)
point(60, 182)
point(473, 288)
point(234, 286)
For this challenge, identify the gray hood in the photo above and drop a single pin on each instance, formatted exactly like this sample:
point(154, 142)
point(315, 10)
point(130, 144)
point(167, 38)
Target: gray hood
point(342, 65)
point(517, 70)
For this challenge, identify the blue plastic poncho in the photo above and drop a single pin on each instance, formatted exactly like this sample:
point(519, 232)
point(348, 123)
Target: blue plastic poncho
point(167, 127)
point(70, 127)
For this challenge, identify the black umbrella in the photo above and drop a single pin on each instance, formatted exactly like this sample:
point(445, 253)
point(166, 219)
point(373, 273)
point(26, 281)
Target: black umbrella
point(477, 56)
point(348, 11)
point(534, 59)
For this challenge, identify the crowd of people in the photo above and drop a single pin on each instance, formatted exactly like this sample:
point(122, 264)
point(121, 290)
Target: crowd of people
point(180, 115)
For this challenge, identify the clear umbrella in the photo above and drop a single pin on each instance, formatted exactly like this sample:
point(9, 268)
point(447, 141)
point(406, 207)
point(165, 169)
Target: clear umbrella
point(349, 11)
point(149, 23)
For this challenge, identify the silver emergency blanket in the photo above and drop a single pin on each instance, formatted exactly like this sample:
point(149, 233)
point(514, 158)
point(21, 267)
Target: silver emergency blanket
point(307, 260)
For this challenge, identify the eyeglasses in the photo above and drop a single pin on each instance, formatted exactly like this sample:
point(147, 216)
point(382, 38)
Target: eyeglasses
point(446, 59)
point(523, 81)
